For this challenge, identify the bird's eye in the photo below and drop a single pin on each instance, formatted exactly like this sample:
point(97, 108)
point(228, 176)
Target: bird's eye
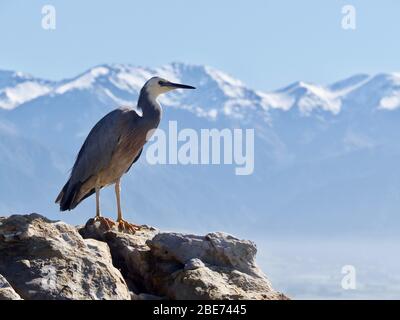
point(160, 83)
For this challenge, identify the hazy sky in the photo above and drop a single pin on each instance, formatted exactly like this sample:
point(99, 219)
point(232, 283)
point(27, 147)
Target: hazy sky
point(266, 44)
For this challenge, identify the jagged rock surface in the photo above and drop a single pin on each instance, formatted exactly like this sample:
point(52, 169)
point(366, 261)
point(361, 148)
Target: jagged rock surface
point(6, 291)
point(184, 266)
point(43, 259)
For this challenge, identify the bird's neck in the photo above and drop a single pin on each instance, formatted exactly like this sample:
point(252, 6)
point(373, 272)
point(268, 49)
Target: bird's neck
point(150, 107)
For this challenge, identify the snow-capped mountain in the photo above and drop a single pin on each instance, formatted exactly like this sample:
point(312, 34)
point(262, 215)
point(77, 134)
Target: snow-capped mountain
point(224, 94)
point(320, 150)
point(17, 88)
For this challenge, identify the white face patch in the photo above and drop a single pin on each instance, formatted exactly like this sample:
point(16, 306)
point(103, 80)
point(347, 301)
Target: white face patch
point(154, 89)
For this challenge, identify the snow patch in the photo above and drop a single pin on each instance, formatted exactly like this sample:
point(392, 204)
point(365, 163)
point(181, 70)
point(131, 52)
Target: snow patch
point(83, 82)
point(11, 97)
point(276, 101)
point(231, 87)
point(390, 103)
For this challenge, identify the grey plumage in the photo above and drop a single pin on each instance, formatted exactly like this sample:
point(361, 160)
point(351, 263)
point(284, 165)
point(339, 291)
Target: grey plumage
point(96, 154)
point(113, 145)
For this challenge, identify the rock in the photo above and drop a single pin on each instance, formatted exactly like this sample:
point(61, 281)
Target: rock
point(194, 264)
point(218, 249)
point(217, 266)
point(144, 296)
point(6, 291)
point(44, 259)
point(130, 253)
point(182, 266)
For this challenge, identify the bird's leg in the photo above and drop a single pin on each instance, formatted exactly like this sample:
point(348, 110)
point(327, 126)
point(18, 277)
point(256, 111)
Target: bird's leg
point(105, 222)
point(118, 195)
point(122, 224)
point(98, 214)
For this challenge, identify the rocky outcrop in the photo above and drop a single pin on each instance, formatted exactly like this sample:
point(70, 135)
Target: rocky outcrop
point(43, 259)
point(217, 266)
point(184, 266)
point(6, 291)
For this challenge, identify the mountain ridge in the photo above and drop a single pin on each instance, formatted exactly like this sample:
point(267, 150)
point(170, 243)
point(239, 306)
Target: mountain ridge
point(115, 78)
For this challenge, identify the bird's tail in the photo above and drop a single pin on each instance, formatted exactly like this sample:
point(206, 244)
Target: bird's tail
point(67, 196)
point(62, 192)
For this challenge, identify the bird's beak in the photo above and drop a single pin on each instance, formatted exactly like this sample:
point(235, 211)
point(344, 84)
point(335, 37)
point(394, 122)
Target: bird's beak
point(176, 85)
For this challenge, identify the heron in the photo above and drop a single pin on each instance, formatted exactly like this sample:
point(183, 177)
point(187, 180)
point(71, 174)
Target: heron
point(113, 145)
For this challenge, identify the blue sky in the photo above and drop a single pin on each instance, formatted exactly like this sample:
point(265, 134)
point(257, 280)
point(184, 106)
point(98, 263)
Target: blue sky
point(266, 44)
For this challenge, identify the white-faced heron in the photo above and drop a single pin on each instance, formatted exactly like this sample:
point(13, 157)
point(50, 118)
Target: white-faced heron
point(113, 145)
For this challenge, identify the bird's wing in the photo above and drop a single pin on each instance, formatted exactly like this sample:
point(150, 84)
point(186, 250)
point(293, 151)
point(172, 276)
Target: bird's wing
point(134, 160)
point(100, 144)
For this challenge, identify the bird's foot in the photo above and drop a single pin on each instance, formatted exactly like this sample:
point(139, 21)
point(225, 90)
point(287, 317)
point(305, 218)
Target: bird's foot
point(106, 223)
point(125, 226)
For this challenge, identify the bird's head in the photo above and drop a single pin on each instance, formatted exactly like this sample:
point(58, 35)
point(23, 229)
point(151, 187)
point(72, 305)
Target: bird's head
point(156, 86)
